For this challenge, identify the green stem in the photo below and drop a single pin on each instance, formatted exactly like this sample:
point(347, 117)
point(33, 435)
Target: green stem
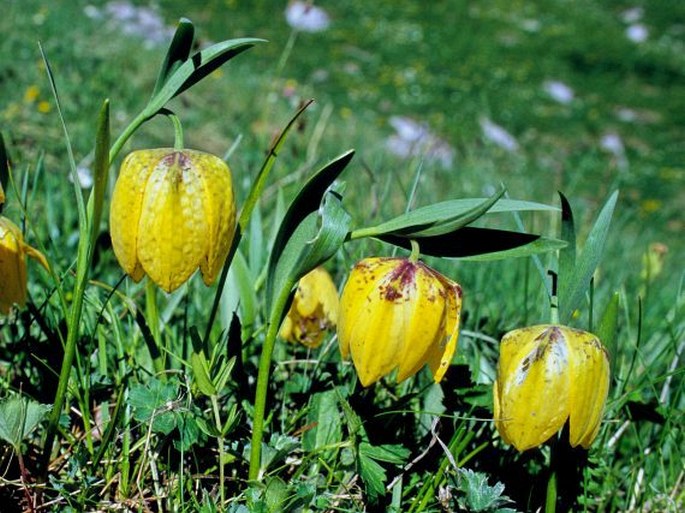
point(126, 135)
point(415, 252)
point(220, 441)
point(263, 380)
point(551, 497)
point(178, 128)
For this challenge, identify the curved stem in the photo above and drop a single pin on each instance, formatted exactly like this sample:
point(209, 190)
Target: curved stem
point(263, 380)
point(415, 251)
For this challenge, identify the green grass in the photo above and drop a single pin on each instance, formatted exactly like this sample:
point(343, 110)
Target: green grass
point(448, 64)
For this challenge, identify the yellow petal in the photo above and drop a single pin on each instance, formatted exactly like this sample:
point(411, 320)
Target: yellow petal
point(589, 386)
point(440, 354)
point(12, 266)
point(219, 209)
point(125, 210)
point(173, 233)
point(533, 385)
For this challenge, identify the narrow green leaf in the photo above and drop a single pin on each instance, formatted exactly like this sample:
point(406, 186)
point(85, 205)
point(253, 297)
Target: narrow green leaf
point(608, 326)
point(200, 366)
point(567, 256)
point(100, 173)
point(195, 69)
point(478, 244)
point(178, 52)
point(574, 290)
point(433, 220)
point(395, 454)
point(4, 169)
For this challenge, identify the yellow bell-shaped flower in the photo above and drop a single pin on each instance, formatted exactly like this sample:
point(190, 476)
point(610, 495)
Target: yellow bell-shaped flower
point(396, 313)
point(172, 212)
point(13, 252)
point(314, 309)
point(546, 375)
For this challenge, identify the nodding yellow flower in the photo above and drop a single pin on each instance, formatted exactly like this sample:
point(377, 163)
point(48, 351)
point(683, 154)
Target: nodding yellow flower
point(172, 212)
point(397, 313)
point(546, 375)
point(314, 309)
point(13, 252)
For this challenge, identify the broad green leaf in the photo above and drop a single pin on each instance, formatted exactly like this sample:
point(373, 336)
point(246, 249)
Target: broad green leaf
point(19, 416)
point(196, 68)
point(395, 454)
point(178, 52)
point(308, 200)
point(100, 173)
point(324, 417)
point(153, 402)
point(572, 291)
point(314, 241)
point(373, 475)
point(432, 220)
point(276, 494)
point(478, 244)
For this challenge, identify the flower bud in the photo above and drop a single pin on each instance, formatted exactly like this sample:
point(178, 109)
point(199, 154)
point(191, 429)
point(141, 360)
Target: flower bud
point(546, 375)
point(396, 313)
point(172, 212)
point(13, 252)
point(314, 309)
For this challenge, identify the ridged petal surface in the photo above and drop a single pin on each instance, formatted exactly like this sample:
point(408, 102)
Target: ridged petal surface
point(394, 313)
point(219, 211)
point(589, 386)
point(173, 232)
point(533, 385)
point(125, 210)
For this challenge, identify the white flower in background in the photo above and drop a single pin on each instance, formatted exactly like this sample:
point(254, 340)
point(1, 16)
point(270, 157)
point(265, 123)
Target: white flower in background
point(559, 91)
point(632, 15)
point(412, 139)
point(612, 143)
point(306, 17)
point(143, 22)
point(498, 135)
point(637, 33)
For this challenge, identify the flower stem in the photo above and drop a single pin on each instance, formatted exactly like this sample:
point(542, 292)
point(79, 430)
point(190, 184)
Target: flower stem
point(263, 380)
point(415, 252)
point(220, 442)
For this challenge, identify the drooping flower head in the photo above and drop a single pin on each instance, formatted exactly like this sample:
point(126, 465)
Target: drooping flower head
point(13, 252)
point(172, 212)
point(396, 313)
point(314, 309)
point(546, 375)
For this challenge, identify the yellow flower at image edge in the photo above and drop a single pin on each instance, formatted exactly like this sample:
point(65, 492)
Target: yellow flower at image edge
point(13, 252)
point(396, 313)
point(314, 309)
point(172, 212)
point(546, 375)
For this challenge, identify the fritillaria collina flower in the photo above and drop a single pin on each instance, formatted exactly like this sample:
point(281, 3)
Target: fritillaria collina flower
point(13, 252)
point(314, 309)
point(172, 212)
point(546, 375)
point(397, 313)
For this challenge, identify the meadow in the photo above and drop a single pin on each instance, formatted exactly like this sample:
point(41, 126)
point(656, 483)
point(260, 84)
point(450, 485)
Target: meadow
point(450, 128)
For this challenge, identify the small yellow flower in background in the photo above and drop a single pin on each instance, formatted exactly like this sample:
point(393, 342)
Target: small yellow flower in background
point(546, 375)
point(396, 313)
point(314, 309)
point(44, 107)
point(653, 261)
point(31, 94)
point(13, 252)
point(172, 211)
